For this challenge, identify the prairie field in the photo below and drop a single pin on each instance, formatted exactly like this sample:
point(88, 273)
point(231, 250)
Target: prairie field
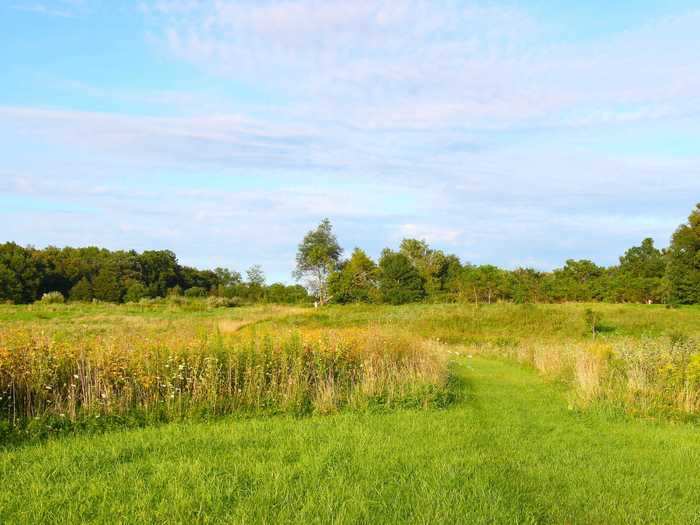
point(182, 411)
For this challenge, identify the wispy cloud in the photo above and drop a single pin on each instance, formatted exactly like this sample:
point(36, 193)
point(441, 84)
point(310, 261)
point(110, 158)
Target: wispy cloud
point(59, 8)
point(475, 126)
point(420, 65)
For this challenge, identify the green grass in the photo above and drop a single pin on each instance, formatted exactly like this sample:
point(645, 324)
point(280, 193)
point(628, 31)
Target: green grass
point(516, 446)
point(458, 323)
point(510, 452)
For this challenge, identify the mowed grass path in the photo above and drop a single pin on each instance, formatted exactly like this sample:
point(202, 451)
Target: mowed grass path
point(511, 452)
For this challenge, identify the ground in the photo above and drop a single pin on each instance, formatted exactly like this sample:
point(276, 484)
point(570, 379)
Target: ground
point(511, 449)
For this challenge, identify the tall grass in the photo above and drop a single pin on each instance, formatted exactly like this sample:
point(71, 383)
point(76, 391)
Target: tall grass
point(63, 377)
point(642, 359)
point(648, 376)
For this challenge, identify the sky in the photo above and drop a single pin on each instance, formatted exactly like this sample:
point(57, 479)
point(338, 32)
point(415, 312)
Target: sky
point(516, 133)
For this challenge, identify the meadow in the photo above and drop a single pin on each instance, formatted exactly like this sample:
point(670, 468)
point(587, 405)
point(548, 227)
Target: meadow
point(185, 412)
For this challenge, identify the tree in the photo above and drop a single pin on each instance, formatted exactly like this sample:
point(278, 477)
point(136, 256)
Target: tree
point(578, 280)
point(525, 285)
point(228, 282)
point(160, 271)
point(355, 281)
point(317, 257)
point(256, 275)
point(432, 265)
point(226, 277)
point(640, 275)
point(484, 283)
point(135, 292)
point(20, 274)
point(195, 291)
point(684, 261)
point(279, 293)
point(399, 281)
point(81, 291)
point(194, 278)
point(106, 286)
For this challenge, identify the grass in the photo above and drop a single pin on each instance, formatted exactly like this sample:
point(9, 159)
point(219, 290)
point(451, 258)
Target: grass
point(546, 423)
point(57, 381)
point(511, 452)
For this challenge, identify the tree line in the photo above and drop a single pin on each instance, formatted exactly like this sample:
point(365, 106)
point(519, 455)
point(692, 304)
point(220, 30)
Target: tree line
point(415, 272)
point(84, 274)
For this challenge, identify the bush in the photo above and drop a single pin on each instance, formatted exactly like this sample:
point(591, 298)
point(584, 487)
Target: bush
point(135, 293)
point(53, 298)
point(195, 291)
point(223, 302)
point(593, 321)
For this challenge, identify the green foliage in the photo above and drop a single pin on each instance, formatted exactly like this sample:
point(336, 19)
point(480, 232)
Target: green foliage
point(644, 274)
point(356, 281)
point(593, 321)
point(160, 271)
point(223, 302)
point(483, 284)
point(256, 276)
point(283, 294)
point(195, 291)
point(509, 452)
point(526, 286)
point(317, 257)
point(432, 265)
point(20, 274)
point(106, 286)
point(135, 292)
point(81, 291)
point(640, 276)
point(684, 261)
point(578, 280)
point(399, 281)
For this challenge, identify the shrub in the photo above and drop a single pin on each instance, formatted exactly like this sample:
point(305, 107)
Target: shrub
point(593, 321)
point(195, 291)
point(135, 292)
point(81, 291)
point(53, 298)
point(223, 302)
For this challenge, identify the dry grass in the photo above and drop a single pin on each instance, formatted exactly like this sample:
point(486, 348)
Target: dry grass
point(647, 377)
point(168, 370)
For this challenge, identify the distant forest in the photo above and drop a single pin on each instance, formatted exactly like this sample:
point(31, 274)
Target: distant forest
point(414, 273)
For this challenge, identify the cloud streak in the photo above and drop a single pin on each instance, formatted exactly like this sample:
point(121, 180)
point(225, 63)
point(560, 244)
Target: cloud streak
point(426, 65)
point(474, 126)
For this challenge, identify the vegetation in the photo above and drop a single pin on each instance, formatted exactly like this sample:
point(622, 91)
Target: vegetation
point(414, 273)
point(511, 452)
point(318, 256)
point(53, 379)
point(87, 274)
point(506, 445)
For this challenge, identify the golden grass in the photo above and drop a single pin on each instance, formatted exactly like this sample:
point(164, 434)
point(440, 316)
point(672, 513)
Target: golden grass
point(172, 369)
point(648, 376)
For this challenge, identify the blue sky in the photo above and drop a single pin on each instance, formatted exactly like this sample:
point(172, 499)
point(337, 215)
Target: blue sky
point(514, 133)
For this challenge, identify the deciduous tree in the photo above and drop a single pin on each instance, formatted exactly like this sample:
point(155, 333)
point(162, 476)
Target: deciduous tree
point(317, 257)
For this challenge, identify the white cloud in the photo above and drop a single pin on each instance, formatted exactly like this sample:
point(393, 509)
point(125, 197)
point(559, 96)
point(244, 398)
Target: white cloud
point(59, 8)
point(463, 125)
point(429, 233)
point(419, 65)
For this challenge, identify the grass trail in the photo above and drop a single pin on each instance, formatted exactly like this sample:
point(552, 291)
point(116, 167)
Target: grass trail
point(511, 452)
